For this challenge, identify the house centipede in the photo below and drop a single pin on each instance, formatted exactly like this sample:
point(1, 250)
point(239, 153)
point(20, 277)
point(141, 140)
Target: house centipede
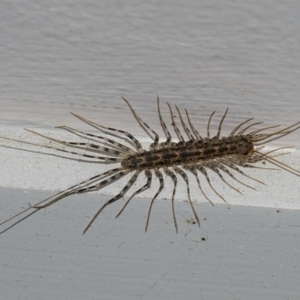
point(193, 154)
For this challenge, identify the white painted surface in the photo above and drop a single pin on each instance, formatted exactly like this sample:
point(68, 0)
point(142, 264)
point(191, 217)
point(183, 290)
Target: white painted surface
point(73, 56)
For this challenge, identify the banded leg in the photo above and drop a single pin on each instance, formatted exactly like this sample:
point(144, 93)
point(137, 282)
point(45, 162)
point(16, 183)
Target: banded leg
point(204, 172)
point(61, 194)
point(88, 185)
point(214, 168)
point(148, 174)
point(161, 182)
point(177, 131)
point(103, 139)
point(132, 140)
point(221, 122)
point(220, 165)
point(105, 160)
point(234, 167)
point(163, 125)
point(115, 198)
point(145, 126)
point(247, 127)
point(186, 179)
point(208, 124)
point(82, 146)
point(194, 172)
point(174, 179)
point(195, 132)
point(239, 126)
point(187, 131)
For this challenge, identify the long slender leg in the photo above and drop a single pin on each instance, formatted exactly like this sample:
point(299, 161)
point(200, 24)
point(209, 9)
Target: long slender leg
point(220, 165)
point(213, 167)
point(277, 134)
point(239, 126)
point(244, 161)
point(221, 122)
point(174, 178)
point(203, 171)
point(187, 131)
point(115, 198)
point(186, 179)
point(81, 145)
point(93, 137)
point(196, 133)
point(128, 138)
point(142, 189)
point(168, 142)
point(106, 160)
point(177, 131)
point(247, 127)
point(161, 182)
point(133, 140)
point(63, 194)
point(144, 125)
point(208, 124)
point(276, 149)
point(163, 124)
point(228, 163)
point(194, 172)
point(17, 222)
point(263, 142)
point(261, 129)
point(279, 163)
point(87, 186)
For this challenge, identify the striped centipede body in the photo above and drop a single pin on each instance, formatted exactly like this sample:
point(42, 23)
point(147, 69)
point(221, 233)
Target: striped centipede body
point(191, 154)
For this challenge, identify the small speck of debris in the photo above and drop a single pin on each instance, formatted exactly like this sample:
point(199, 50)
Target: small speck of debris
point(203, 239)
point(191, 221)
point(278, 211)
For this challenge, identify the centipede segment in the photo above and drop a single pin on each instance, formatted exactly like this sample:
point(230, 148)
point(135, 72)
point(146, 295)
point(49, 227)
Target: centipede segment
point(191, 154)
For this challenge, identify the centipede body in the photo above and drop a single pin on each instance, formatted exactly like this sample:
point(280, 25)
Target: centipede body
point(191, 153)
